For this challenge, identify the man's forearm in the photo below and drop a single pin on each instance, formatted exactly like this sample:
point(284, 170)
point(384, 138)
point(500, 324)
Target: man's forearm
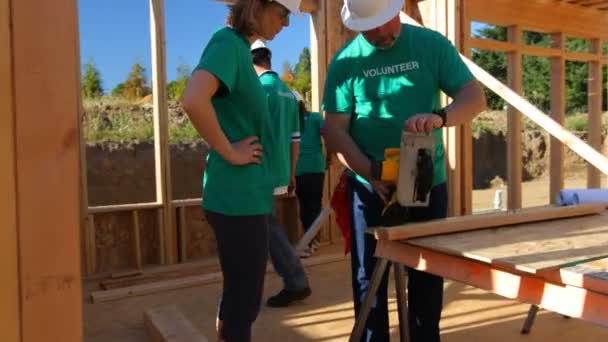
point(349, 154)
point(468, 102)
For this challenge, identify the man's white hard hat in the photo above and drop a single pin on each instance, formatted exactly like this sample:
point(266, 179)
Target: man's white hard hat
point(259, 44)
point(365, 15)
point(292, 5)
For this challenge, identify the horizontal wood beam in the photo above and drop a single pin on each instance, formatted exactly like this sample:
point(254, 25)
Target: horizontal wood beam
point(191, 202)
point(123, 207)
point(540, 16)
point(506, 47)
point(474, 222)
point(307, 6)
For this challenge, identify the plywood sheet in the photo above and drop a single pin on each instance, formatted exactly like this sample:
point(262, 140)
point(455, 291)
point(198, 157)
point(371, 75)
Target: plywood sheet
point(114, 241)
point(531, 247)
point(150, 239)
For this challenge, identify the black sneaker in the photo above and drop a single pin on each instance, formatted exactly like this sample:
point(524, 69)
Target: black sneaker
point(286, 297)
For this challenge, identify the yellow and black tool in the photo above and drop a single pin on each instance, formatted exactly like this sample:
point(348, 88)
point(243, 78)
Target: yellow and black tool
point(408, 170)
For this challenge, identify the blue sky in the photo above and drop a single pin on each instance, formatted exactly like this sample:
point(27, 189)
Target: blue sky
point(115, 34)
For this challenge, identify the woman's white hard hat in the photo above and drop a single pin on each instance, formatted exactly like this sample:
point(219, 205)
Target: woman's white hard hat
point(292, 5)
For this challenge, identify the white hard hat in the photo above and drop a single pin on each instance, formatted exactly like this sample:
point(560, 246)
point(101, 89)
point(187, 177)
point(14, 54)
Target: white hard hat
point(292, 5)
point(298, 96)
point(259, 44)
point(365, 15)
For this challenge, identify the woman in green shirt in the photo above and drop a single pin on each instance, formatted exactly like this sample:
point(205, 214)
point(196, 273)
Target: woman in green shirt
point(310, 170)
point(227, 105)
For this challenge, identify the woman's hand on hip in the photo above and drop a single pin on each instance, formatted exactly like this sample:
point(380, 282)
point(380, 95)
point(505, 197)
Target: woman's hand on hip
point(246, 151)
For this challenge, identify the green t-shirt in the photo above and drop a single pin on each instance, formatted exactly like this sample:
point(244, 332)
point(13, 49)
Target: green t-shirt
point(285, 125)
point(311, 159)
point(242, 111)
point(381, 89)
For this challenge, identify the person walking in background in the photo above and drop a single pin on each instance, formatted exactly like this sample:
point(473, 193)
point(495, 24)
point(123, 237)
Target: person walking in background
point(227, 105)
point(286, 144)
point(310, 171)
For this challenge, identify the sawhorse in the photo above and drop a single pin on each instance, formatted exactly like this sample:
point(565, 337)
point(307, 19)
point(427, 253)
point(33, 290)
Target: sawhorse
point(400, 287)
point(530, 319)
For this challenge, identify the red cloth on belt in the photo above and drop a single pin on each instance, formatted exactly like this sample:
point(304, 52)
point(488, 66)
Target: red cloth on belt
point(341, 204)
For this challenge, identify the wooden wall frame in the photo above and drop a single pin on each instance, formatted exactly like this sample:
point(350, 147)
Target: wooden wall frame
point(40, 242)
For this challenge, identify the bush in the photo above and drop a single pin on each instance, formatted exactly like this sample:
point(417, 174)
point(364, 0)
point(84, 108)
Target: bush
point(577, 123)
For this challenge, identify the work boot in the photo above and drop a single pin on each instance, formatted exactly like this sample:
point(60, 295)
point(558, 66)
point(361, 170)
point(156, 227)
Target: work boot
point(286, 297)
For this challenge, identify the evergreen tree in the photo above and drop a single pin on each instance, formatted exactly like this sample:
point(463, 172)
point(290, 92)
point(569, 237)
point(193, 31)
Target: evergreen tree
point(175, 89)
point(302, 81)
point(135, 85)
point(91, 81)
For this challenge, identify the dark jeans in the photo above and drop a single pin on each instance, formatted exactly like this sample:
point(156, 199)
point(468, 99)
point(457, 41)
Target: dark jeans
point(425, 291)
point(309, 189)
point(242, 244)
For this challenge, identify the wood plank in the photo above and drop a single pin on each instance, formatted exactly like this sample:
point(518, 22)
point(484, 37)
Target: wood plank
point(90, 245)
point(537, 15)
point(183, 234)
point(46, 107)
point(191, 202)
point(137, 241)
point(594, 103)
point(190, 281)
point(154, 277)
point(530, 247)
point(161, 127)
point(318, 55)
point(514, 123)
point(123, 207)
point(558, 113)
point(567, 138)
point(474, 222)
point(10, 311)
point(334, 39)
point(168, 324)
point(566, 300)
point(466, 132)
point(162, 253)
point(592, 275)
point(447, 14)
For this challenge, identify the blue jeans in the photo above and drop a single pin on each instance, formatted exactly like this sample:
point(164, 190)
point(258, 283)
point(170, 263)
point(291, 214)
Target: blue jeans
point(284, 259)
point(242, 244)
point(425, 291)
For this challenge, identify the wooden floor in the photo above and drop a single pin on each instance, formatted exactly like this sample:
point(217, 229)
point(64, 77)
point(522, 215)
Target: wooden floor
point(469, 314)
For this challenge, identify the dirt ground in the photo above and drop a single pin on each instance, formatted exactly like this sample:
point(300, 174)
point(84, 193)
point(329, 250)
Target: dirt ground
point(469, 314)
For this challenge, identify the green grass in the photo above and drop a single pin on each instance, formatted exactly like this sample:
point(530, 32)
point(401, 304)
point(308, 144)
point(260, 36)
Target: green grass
point(118, 120)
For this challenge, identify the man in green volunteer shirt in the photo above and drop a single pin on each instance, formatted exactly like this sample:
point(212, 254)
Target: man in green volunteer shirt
point(386, 79)
point(285, 128)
